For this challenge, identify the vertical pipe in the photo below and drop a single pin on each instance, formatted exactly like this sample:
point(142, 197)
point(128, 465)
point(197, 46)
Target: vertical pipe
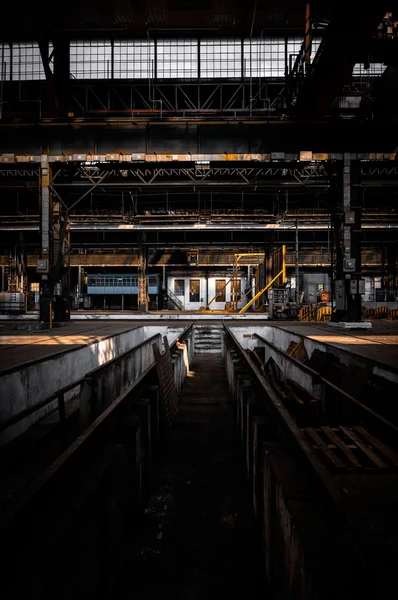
point(307, 35)
point(3, 71)
point(297, 263)
point(330, 260)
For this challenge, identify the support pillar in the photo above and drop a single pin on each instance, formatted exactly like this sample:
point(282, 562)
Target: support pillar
point(142, 277)
point(60, 260)
point(297, 264)
point(79, 284)
point(349, 285)
point(45, 257)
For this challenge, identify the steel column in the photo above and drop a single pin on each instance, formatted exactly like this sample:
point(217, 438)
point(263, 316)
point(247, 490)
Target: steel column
point(45, 255)
point(297, 263)
point(142, 277)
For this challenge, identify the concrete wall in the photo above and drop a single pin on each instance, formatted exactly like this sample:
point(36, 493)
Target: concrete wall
point(304, 556)
point(103, 385)
point(24, 387)
point(281, 338)
point(205, 295)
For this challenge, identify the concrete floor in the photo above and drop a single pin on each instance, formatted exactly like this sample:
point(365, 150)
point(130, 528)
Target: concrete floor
point(198, 537)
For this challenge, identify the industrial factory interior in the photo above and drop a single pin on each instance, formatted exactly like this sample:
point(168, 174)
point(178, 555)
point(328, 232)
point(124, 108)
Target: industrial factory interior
point(198, 300)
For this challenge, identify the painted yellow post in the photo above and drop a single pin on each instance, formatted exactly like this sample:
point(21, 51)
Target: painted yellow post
point(283, 264)
point(214, 297)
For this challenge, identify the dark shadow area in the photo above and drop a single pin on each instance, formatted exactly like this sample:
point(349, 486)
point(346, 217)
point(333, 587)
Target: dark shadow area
point(198, 536)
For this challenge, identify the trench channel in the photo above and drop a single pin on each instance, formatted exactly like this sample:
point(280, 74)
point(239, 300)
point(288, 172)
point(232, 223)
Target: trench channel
point(198, 534)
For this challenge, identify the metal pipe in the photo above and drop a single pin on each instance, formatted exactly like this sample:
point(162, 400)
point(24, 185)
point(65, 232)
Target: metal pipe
point(3, 71)
point(297, 264)
point(307, 38)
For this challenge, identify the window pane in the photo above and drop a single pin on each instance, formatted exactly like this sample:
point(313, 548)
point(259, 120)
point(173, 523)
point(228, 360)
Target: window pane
point(179, 287)
point(26, 61)
point(221, 58)
point(5, 62)
point(177, 59)
point(133, 59)
point(220, 290)
point(91, 59)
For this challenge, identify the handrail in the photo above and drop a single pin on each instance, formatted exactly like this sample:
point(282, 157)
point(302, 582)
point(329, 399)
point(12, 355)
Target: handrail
point(100, 426)
point(123, 355)
point(244, 309)
point(60, 394)
point(26, 412)
point(390, 428)
point(214, 297)
point(177, 302)
point(344, 505)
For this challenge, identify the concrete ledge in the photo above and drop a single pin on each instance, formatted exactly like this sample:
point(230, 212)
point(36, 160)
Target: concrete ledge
point(169, 316)
point(344, 325)
point(116, 316)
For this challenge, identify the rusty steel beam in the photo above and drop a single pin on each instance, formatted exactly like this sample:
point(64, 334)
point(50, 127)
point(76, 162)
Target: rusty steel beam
point(348, 34)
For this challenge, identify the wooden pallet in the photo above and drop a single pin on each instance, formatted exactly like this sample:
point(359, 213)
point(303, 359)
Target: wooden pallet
point(351, 449)
point(298, 351)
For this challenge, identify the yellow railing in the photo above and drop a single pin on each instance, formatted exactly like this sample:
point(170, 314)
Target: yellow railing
point(244, 309)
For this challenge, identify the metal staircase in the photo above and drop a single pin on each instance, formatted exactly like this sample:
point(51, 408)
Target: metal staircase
point(173, 302)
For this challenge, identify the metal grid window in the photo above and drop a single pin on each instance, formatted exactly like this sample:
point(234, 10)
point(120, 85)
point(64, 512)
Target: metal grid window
point(91, 59)
point(294, 46)
point(177, 59)
point(374, 70)
point(133, 59)
point(221, 58)
point(26, 62)
point(264, 58)
point(5, 62)
point(179, 287)
point(293, 50)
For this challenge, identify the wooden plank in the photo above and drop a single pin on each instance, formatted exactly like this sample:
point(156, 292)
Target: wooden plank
point(167, 387)
point(342, 446)
point(378, 462)
point(325, 448)
point(387, 452)
point(291, 348)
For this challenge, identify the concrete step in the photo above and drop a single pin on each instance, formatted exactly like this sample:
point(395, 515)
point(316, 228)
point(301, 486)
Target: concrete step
point(208, 340)
point(207, 350)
